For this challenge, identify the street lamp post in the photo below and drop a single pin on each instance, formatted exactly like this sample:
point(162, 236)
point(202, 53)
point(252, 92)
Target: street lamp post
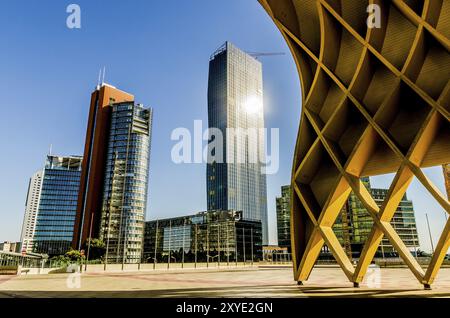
point(170, 243)
point(429, 232)
point(218, 244)
point(156, 245)
point(251, 240)
point(196, 242)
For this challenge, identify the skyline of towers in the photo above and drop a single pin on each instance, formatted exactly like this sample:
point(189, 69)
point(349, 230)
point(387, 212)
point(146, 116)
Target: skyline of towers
point(237, 87)
point(235, 100)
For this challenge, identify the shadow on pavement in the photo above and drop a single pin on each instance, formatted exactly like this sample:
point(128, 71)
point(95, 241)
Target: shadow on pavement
point(268, 291)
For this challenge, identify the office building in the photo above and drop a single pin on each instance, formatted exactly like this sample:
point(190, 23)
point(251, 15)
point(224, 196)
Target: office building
point(10, 247)
point(57, 205)
point(284, 217)
point(31, 209)
point(90, 200)
point(113, 192)
point(404, 222)
point(212, 236)
point(235, 105)
point(276, 254)
point(126, 182)
point(360, 223)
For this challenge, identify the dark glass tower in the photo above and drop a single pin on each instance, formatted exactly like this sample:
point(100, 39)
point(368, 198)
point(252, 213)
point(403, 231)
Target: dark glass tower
point(57, 205)
point(235, 101)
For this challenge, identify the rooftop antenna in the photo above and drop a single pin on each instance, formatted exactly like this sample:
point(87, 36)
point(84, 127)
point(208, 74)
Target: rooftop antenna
point(103, 79)
point(99, 75)
point(50, 150)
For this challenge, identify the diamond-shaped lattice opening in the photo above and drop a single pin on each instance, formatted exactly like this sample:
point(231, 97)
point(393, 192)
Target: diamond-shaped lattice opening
point(305, 143)
point(415, 5)
point(301, 229)
point(307, 10)
point(373, 84)
point(435, 70)
point(317, 177)
point(353, 224)
point(324, 99)
point(439, 147)
point(399, 37)
point(344, 130)
point(403, 117)
point(343, 49)
point(429, 214)
point(403, 219)
point(444, 18)
point(372, 156)
point(351, 12)
point(307, 65)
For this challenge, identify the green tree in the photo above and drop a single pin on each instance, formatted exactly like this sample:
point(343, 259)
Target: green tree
point(74, 255)
point(60, 260)
point(97, 248)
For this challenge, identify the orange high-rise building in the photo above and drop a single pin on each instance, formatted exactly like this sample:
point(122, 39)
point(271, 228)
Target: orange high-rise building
point(87, 221)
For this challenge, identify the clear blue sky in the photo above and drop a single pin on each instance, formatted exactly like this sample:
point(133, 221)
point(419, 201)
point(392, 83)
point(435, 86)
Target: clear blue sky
point(157, 50)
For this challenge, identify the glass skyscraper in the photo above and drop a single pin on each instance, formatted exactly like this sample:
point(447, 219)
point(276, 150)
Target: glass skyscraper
point(125, 182)
point(31, 210)
point(235, 106)
point(57, 205)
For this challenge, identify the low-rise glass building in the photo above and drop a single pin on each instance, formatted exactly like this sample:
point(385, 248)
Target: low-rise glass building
point(221, 236)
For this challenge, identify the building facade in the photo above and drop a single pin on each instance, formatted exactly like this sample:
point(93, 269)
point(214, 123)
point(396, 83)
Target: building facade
point(31, 209)
point(57, 205)
point(90, 200)
point(206, 237)
point(284, 217)
point(235, 176)
point(10, 247)
point(126, 182)
point(404, 222)
point(113, 195)
point(360, 223)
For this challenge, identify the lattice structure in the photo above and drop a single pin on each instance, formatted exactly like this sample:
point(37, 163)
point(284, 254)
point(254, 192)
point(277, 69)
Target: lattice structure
point(374, 101)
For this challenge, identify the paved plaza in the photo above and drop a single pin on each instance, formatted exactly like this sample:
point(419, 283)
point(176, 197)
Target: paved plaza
point(262, 282)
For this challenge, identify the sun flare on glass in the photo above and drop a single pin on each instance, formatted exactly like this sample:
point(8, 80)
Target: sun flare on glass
point(253, 105)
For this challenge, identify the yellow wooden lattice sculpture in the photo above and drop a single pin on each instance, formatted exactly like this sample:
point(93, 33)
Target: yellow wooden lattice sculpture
point(375, 100)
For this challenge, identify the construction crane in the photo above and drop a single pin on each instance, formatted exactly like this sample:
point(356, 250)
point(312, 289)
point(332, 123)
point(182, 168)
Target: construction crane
point(259, 54)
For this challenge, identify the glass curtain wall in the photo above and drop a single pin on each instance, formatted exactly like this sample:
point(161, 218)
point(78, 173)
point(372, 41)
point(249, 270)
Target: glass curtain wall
point(203, 238)
point(126, 180)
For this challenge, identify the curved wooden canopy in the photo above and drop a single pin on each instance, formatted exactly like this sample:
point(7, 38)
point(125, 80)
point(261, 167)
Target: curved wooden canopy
point(375, 100)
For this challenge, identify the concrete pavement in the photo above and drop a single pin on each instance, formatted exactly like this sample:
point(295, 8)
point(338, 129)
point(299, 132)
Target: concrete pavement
point(237, 282)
